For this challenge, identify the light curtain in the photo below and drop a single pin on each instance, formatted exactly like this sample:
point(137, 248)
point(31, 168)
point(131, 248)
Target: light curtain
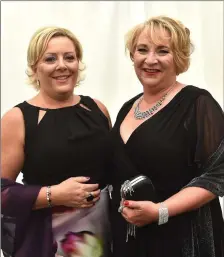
point(101, 26)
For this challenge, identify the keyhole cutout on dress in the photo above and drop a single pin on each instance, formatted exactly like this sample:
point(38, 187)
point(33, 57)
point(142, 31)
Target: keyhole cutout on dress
point(41, 115)
point(83, 106)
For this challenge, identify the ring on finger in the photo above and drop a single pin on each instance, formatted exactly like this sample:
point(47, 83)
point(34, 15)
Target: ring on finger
point(120, 209)
point(90, 197)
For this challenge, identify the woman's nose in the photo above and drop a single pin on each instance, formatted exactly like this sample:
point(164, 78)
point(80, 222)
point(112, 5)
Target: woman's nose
point(151, 58)
point(61, 64)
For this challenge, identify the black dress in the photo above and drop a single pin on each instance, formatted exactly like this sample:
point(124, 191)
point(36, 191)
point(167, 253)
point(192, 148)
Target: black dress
point(171, 148)
point(67, 142)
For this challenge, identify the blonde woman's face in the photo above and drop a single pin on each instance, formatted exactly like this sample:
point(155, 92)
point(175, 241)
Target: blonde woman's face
point(57, 70)
point(154, 63)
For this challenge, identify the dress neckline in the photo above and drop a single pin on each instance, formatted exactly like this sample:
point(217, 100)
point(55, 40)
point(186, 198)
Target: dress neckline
point(53, 109)
point(151, 118)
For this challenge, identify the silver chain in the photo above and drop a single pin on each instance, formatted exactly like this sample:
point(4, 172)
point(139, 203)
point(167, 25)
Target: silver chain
point(126, 188)
point(142, 115)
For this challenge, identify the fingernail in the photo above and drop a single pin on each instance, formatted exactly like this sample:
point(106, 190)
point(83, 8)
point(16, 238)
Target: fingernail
point(126, 203)
point(87, 177)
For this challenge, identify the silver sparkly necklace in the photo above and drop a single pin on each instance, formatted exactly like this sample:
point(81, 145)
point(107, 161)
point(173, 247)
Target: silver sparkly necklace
point(142, 115)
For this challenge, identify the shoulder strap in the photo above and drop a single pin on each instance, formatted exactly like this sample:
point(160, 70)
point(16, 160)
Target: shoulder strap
point(30, 116)
point(92, 105)
point(89, 102)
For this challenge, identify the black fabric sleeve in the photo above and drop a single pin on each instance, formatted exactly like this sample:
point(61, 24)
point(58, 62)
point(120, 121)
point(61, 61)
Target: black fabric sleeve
point(209, 149)
point(210, 127)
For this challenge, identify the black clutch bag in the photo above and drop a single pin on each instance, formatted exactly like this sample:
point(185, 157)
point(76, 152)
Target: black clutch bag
point(139, 188)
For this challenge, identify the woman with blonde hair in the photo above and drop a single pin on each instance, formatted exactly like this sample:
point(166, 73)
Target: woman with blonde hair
point(168, 154)
point(58, 140)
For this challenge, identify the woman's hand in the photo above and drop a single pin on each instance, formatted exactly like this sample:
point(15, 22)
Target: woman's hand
point(73, 193)
point(140, 213)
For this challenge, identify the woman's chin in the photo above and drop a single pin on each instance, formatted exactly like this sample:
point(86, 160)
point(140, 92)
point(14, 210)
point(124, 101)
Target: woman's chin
point(64, 89)
point(150, 82)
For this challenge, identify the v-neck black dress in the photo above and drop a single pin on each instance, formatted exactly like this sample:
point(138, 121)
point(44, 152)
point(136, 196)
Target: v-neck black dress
point(169, 148)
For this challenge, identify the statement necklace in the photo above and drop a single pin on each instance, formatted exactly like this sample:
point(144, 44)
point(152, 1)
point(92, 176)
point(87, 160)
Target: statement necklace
point(142, 115)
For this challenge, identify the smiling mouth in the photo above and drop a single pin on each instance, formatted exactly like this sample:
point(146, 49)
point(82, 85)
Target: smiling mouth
point(151, 70)
point(61, 77)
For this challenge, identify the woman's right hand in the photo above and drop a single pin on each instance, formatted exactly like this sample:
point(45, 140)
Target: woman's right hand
point(73, 193)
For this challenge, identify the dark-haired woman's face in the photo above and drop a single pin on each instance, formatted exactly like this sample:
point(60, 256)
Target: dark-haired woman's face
point(154, 63)
point(57, 70)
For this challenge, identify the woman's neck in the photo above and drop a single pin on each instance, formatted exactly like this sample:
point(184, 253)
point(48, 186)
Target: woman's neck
point(46, 101)
point(151, 95)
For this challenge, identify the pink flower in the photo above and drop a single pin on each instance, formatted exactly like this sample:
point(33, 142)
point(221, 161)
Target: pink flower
point(68, 244)
point(83, 243)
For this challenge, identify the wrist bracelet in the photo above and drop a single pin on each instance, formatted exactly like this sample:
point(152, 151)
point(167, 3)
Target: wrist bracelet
point(49, 196)
point(163, 214)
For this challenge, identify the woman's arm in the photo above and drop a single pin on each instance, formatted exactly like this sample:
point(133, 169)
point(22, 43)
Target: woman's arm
point(141, 213)
point(209, 123)
point(209, 157)
point(186, 200)
point(12, 144)
point(12, 150)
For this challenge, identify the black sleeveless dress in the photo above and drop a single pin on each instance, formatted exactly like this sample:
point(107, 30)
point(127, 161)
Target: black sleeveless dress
point(169, 148)
point(67, 142)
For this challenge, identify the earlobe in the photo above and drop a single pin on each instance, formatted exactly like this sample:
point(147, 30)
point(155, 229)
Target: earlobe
point(37, 79)
point(34, 69)
point(132, 56)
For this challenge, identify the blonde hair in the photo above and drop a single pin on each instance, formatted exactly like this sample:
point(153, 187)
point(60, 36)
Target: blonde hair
point(38, 45)
point(180, 41)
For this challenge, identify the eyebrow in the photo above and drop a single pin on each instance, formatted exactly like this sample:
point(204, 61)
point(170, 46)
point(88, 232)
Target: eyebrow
point(162, 46)
point(159, 46)
point(141, 45)
point(56, 53)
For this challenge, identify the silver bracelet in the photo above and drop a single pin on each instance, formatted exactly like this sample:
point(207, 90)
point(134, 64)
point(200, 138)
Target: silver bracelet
point(163, 214)
point(49, 196)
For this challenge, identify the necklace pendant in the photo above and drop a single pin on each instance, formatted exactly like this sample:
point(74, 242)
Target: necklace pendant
point(138, 115)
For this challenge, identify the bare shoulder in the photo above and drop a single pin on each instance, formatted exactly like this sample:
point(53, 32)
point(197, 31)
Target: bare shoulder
point(12, 143)
point(12, 123)
point(103, 108)
point(12, 117)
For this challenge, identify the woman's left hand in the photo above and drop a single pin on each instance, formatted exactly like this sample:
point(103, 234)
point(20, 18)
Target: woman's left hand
point(140, 213)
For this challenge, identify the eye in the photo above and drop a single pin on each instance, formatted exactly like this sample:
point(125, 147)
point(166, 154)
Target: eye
point(50, 59)
point(70, 57)
point(163, 52)
point(142, 50)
